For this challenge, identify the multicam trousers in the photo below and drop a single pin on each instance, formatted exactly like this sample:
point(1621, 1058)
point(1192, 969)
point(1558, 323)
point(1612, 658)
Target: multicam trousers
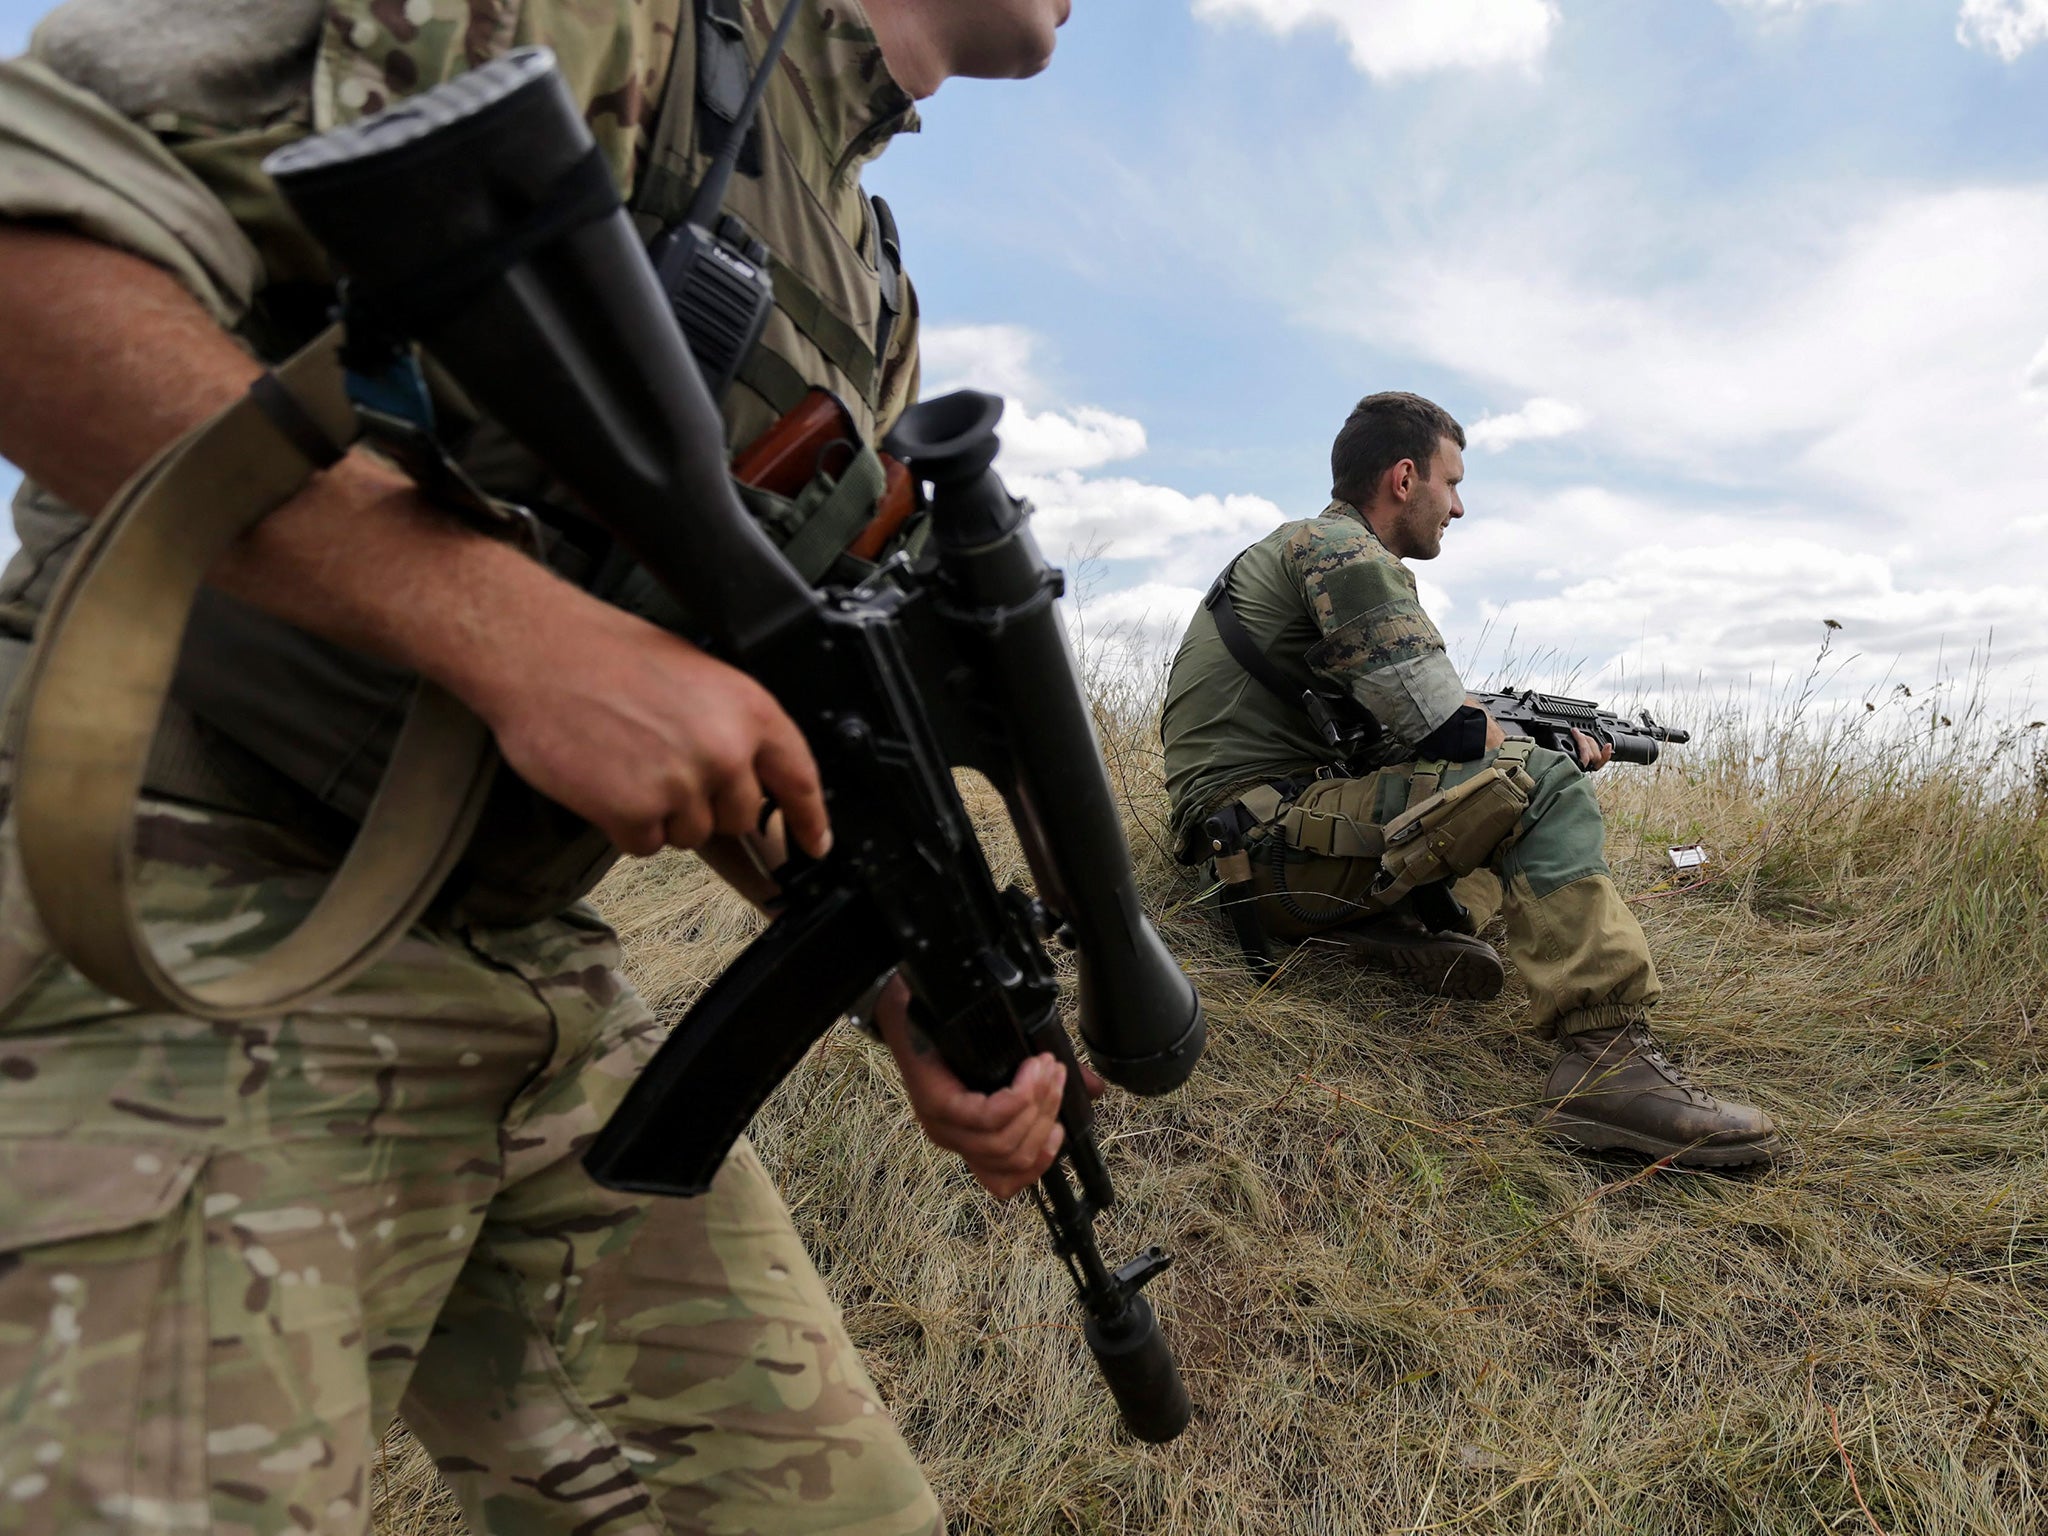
point(229, 1253)
point(1579, 950)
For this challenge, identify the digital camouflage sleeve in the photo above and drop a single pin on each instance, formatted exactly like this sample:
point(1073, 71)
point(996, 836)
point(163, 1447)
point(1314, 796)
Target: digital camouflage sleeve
point(1377, 643)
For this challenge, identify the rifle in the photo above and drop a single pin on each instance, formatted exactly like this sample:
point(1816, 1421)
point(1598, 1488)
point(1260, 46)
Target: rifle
point(1550, 719)
point(479, 219)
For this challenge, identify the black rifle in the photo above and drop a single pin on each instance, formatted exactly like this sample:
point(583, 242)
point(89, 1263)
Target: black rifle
point(1550, 719)
point(478, 218)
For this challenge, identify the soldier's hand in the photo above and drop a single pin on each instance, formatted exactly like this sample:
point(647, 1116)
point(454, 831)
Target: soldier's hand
point(1008, 1138)
point(644, 735)
point(1593, 755)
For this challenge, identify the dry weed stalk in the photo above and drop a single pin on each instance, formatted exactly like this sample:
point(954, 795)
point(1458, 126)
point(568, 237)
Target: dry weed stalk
point(1400, 1312)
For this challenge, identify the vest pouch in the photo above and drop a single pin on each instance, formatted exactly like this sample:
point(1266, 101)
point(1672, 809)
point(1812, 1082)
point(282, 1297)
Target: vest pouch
point(1315, 855)
point(1338, 824)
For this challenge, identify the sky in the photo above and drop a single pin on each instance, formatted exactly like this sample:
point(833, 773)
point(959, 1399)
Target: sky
point(1743, 303)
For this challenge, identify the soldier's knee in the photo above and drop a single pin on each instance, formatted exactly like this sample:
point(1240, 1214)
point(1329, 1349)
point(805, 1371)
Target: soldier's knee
point(1563, 836)
point(1555, 774)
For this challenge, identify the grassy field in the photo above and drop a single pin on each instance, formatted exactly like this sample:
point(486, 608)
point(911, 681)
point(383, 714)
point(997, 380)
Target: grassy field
point(1399, 1311)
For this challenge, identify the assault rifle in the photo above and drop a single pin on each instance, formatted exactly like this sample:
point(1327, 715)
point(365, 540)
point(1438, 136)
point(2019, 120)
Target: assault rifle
point(479, 219)
point(1550, 719)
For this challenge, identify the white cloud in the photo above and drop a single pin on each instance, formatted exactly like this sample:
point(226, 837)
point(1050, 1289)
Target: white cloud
point(1388, 39)
point(1605, 592)
point(1851, 361)
point(1001, 359)
point(1141, 623)
point(1186, 538)
point(1781, 7)
point(1084, 437)
point(2007, 28)
point(997, 358)
point(2036, 376)
point(1540, 419)
point(1173, 538)
point(1846, 408)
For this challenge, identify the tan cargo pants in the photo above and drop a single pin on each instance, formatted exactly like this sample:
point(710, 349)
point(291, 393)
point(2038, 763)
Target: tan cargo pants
point(228, 1253)
point(1579, 950)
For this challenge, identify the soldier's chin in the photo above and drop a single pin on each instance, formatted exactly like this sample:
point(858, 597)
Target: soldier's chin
point(1033, 61)
point(1021, 50)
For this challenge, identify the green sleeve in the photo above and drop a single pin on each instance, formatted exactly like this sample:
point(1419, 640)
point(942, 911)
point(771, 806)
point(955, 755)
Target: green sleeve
point(1377, 644)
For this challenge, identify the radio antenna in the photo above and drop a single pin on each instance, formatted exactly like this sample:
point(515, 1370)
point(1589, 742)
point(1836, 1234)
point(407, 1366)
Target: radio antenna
point(710, 194)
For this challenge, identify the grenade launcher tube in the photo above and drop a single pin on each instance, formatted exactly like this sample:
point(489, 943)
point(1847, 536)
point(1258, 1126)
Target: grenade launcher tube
point(1138, 1011)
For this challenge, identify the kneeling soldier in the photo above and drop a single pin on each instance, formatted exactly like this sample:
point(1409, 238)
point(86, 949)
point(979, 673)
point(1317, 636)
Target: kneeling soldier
point(1321, 749)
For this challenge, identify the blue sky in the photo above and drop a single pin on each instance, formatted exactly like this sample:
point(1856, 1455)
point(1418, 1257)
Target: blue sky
point(1746, 304)
point(1744, 301)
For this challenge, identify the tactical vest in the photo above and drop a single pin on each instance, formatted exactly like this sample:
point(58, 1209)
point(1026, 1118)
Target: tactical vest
point(270, 721)
point(838, 295)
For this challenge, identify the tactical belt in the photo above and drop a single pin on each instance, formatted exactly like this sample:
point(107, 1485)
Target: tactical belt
point(98, 679)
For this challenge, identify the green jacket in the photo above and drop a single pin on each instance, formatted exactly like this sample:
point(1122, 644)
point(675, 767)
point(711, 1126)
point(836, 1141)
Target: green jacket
point(1325, 601)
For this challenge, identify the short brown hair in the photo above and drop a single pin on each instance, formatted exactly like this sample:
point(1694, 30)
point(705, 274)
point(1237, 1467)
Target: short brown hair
point(1380, 432)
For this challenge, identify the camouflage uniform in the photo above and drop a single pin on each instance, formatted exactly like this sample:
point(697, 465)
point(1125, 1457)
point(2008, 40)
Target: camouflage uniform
point(1328, 603)
point(230, 1253)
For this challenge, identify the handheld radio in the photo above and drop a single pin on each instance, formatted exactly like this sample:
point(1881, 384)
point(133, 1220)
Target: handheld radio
point(714, 273)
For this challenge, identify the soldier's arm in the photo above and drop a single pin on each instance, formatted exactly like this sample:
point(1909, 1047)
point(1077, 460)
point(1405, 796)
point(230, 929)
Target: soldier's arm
point(1377, 643)
point(108, 359)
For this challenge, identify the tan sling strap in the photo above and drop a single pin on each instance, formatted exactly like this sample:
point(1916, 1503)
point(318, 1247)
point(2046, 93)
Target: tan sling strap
point(97, 683)
point(1424, 779)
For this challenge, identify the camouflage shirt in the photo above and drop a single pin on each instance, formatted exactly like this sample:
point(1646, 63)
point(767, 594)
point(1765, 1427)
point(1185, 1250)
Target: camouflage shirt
point(144, 124)
point(1325, 600)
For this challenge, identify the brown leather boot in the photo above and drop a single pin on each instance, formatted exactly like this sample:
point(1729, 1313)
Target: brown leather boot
point(1616, 1088)
point(1447, 964)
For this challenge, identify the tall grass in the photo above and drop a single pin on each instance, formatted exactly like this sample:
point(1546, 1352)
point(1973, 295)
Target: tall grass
point(1400, 1311)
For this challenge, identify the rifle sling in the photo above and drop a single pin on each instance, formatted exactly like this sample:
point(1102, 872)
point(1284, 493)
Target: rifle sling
point(102, 667)
point(1246, 653)
point(1238, 641)
point(837, 520)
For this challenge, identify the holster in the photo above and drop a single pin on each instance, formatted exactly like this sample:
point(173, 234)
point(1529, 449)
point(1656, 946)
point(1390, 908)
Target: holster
point(1228, 833)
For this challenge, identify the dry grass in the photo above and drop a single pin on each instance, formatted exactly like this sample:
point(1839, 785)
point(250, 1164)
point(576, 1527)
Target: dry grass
point(1398, 1311)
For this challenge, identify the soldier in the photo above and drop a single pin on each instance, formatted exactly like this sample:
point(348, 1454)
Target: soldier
point(228, 1252)
point(1326, 607)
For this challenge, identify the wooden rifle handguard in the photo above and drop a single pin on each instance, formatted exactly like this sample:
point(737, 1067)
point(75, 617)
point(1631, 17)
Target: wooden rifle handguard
point(815, 437)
